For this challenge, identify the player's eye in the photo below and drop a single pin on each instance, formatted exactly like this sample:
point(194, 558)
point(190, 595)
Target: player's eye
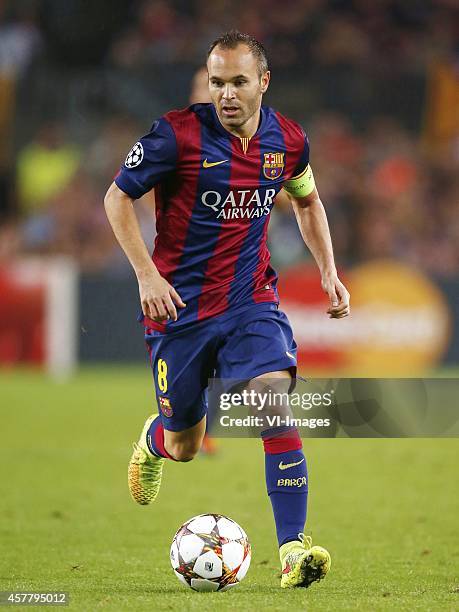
point(217, 83)
point(239, 83)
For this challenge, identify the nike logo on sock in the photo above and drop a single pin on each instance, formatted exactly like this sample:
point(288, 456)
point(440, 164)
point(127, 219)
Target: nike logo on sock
point(285, 466)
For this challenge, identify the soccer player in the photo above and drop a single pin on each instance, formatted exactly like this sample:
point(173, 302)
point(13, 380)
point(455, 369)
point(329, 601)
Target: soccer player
point(208, 294)
point(199, 93)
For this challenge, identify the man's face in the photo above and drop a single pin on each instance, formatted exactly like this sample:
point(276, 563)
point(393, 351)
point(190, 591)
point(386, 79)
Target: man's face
point(235, 86)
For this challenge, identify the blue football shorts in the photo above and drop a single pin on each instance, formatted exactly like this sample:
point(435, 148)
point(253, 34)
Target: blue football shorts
point(239, 345)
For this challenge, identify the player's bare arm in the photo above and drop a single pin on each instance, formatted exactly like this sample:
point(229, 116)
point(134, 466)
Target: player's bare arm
point(312, 221)
point(158, 298)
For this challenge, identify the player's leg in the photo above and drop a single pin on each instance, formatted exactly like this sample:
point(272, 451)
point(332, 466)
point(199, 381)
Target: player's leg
point(261, 347)
point(287, 487)
point(285, 464)
point(180, 364)
point(177, 445)
point(154, 446)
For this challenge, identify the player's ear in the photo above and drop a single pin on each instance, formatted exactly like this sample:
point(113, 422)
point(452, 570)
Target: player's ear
point(265, 81)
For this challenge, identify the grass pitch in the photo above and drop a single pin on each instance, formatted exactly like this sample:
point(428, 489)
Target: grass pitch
point(386, 509)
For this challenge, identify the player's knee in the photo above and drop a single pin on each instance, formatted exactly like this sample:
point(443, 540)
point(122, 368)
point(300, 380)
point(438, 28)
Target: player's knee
point(183, 451)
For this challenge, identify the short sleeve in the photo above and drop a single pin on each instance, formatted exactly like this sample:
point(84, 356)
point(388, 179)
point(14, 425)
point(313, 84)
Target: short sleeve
point(152, 158)
point(303, 161)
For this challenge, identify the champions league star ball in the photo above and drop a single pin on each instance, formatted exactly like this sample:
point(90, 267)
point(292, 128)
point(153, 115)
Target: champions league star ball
point(210, 552)
point(135, 156)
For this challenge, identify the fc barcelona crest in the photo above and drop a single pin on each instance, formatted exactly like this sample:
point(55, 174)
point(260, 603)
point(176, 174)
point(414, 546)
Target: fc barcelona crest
point(274, 165)
point(165, 405)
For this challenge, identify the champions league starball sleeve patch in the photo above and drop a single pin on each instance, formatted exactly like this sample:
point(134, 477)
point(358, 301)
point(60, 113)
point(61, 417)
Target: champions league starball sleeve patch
point(135, 156)
point(152, 158)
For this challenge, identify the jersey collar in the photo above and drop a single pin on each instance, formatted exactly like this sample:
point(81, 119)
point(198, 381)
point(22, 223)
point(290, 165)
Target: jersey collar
point(219, 127)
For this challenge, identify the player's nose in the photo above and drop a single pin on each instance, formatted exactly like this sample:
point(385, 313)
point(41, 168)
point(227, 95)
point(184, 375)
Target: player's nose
point(228, 92)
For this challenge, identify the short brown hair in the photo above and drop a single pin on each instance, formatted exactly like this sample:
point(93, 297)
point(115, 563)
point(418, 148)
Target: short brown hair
point(233, 38)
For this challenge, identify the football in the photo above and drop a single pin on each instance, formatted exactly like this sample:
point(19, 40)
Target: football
point(210, 552)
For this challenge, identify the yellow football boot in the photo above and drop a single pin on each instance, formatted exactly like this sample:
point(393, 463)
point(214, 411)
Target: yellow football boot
point(145, 470)
point(302, 563)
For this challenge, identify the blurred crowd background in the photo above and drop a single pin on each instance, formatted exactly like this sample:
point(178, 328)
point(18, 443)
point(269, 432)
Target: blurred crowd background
point(375, 85)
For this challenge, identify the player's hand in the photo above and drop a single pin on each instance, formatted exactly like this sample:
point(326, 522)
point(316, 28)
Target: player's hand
point(158, 298)
point(338, 295)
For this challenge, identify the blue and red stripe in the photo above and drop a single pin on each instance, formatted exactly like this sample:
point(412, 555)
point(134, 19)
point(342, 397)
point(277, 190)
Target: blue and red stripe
point(204, 230)
point(223, 277)
point(173, 219)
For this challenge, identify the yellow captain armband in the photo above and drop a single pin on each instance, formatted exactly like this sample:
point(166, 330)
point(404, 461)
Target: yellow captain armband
point(302, 185)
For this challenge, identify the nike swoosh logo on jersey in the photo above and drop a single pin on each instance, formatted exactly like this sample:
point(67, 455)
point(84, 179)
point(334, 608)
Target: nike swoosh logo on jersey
point(206, 164)
point(285, 466)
